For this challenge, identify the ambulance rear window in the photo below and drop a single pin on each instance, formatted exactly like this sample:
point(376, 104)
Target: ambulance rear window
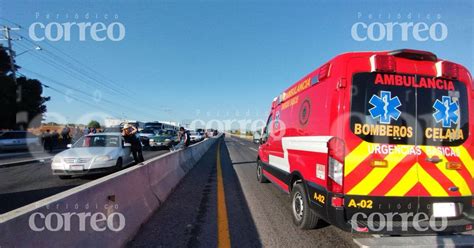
point(409, 109)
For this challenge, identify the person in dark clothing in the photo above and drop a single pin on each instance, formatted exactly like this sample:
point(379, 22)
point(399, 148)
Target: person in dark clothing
point(47, 141)
point(129, 133)
point(184, 139)
point(55, 139)
point(65, 136)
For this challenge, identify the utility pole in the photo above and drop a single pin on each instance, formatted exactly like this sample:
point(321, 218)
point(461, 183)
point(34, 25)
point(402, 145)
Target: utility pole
point(8, 37)
point(19, 115)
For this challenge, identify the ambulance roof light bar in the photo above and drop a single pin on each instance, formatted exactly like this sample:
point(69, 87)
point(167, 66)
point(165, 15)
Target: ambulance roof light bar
point(447, 69)
point(414, 55)
point(381, 62)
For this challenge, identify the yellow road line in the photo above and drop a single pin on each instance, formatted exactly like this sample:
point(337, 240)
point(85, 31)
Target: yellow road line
point(223, 236)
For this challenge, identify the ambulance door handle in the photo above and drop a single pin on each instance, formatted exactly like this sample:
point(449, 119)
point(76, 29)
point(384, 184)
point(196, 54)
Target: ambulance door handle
point(434, 159)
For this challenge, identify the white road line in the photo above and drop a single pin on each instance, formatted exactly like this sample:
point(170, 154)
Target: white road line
point(253, 149)
point(42, 160)
point(242, 143)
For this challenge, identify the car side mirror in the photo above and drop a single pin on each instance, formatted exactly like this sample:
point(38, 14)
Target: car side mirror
point(69, 146)
point(260, 141)
point(127, 145)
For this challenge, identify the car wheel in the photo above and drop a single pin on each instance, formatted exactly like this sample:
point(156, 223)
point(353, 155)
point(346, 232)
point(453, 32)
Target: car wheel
point(260, 177)
point(65, 177)
point(303, 216)
point(118, 164)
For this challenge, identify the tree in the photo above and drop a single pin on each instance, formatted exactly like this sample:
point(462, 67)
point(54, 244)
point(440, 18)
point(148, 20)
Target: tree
point(7, 102)
point(31, 104)
point(94, 124)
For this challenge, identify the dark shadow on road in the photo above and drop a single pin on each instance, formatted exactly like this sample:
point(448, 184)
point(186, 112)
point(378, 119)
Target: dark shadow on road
point(244, 162)
point(243, 231)
point(12, 201)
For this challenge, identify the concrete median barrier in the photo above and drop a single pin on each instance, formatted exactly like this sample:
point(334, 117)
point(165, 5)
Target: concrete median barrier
point(105, 212)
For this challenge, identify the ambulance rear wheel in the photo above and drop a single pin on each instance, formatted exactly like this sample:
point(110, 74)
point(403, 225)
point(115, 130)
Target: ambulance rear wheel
point(260, 177)
point(303, 216)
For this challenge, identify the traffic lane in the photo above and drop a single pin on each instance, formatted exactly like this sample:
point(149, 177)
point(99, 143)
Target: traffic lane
point(271, 209)
point(16, 159)
point(189, 217)
point(24, 184)
point(257, 214)
point(242, 141)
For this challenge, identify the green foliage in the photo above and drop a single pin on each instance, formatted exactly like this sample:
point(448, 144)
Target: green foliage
point(32, 103)
point(94, 124)
point(7, 102)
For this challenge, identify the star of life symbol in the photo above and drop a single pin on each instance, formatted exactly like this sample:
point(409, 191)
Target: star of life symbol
point(447, 111)
point(385, 108)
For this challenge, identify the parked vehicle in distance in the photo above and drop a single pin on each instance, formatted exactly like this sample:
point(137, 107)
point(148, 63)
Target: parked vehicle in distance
point(19, 140)
point(92, 154)
point(373, 134)
point(160, 125)
point(164, 139)
point(153, 125)
point(201, 131)
point(145, 135)
point(113, 129)
point(195, 136)
point(210, 132)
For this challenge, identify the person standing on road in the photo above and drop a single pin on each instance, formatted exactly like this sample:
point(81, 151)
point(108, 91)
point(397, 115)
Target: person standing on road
point(47, 141)
point(65, 136)
point(92, 130)
point(55, 139)
point(129, 133)
point(184, 139)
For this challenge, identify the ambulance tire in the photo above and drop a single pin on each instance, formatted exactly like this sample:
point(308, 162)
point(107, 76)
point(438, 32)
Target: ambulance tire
point(260, 177)
point(303, 216)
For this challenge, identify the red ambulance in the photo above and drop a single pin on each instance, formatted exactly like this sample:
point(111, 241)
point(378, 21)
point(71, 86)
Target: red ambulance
point(378, 142)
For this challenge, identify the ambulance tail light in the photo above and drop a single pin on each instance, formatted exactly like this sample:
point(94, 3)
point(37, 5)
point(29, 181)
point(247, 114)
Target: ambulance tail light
point(336, 153)
point(447, 69)
point(385, 63)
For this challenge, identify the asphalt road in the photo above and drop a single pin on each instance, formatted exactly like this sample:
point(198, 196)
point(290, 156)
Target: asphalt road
point(23, 184)
point(255, 215)
point(8, 159)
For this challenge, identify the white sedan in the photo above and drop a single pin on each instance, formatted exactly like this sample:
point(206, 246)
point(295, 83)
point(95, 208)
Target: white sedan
point(195, 136)
point(95, 153)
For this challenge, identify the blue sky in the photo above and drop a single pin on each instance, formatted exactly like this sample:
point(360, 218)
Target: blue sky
point(184, 60)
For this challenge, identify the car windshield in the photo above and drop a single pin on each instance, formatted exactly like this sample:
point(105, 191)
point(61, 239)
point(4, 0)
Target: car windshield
point(166, 132)
point(98, 141)
point(147, 131)
point(152, 125)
